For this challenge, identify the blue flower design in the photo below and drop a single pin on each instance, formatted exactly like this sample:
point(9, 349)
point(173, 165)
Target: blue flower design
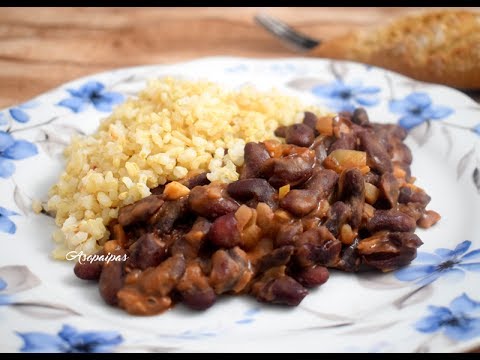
point(345, 97)
point(443, 262)
point(4, 299)
point(18, 114)
point(249, 316)
point(283, 69)
point(457, 321)
point(92, 92)
point(70, 340)
point(11, 149)
point(416, 109)
point(7, 225)
point(189, 334)
point(237, 68)
point(476, 129)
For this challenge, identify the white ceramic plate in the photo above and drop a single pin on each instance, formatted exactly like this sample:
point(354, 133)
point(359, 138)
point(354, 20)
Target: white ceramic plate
point(434, 305)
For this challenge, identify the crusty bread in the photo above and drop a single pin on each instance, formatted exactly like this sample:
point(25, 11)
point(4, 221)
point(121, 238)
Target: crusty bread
point(441, 46)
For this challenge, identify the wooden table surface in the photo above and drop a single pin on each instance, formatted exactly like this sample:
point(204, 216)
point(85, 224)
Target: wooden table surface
point(41, 48)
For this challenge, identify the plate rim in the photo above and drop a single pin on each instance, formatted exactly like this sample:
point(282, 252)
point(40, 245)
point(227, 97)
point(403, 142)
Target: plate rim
point(231, 58)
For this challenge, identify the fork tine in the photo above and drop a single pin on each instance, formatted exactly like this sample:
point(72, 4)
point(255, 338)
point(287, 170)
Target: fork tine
point(290, 37)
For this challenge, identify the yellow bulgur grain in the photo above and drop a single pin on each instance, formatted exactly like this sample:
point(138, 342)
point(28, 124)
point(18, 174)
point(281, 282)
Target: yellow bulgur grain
point(172, 127)
point(37, 206)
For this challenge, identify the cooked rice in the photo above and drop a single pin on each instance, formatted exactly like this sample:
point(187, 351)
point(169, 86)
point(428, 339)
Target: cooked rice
point(173, 127)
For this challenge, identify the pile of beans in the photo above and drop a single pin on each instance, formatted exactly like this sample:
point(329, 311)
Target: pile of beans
point(337, 193)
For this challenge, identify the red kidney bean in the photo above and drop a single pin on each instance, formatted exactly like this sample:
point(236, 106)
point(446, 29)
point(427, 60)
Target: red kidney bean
point(224, 231)
point(320, 146)
point(258, 190)
point(349, 260)
point(278, 257)
point(194, 288)
point(255, 156)
point(300, 202)
point(199, 299)
point(140, 210)
point(310, 119)
point(230, 270)
point(211, 201)
point(322, 181)
point(312, 276)
point(148, 251)
point(161, 280)
point(372, 178)
point(288, 233)
point(390, 188)
point(391, 220)
point(281, 131)
point(326, 253)
point(352, 191)
point(170, 212)
point(360, 117)
point(377, 155)
point(389, 250)
point(407, 195)
point(317, 246)
point(111, 280)
point(87, 270)
point(300, 135)
point(338, 215)
point(284, 290)
point(293, 169)
point(197, 180)
point(346, 141)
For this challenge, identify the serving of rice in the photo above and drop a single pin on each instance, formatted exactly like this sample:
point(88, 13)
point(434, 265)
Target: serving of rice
point(173, 127)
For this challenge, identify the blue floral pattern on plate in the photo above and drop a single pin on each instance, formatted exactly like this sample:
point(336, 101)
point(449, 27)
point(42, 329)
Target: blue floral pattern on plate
point(11, 149)
point(343, 96)
point(249, 316)
point(19, 115)
point(417, 108)
point(70, 340)
point(7, 225)
point(476, 129)
point(460, 321)
point(92, 92)
point(4, 298)
point(442, 262)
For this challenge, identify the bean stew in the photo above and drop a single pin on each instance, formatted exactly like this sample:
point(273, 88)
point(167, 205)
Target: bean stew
point(337, 193)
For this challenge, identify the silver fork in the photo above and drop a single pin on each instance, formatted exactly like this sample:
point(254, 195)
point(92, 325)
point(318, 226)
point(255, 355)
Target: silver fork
point(285, 33)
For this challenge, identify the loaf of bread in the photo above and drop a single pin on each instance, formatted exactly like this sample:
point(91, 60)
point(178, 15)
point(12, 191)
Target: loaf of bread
point(441, 46)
